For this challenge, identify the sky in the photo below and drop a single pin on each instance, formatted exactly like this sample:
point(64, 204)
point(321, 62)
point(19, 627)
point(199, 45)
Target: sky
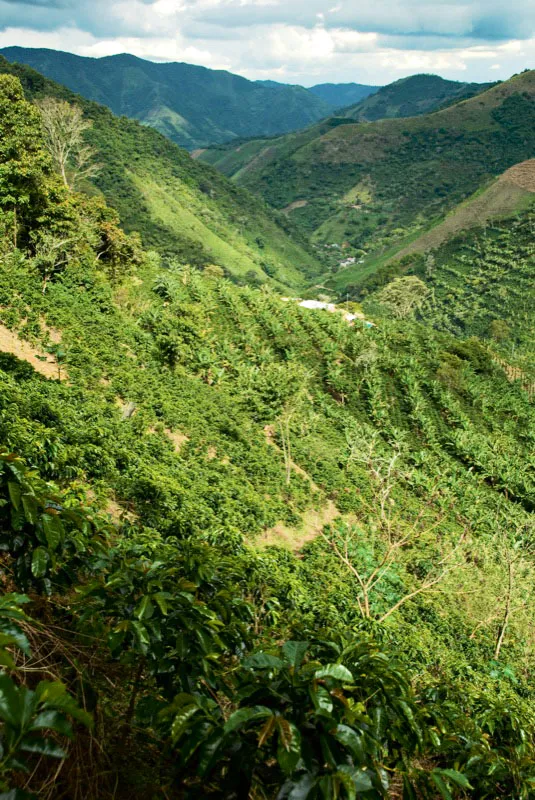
point(292, 41)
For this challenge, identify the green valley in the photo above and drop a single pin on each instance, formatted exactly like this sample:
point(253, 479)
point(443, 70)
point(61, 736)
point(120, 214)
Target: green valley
point(374, 186)
point(254, 547)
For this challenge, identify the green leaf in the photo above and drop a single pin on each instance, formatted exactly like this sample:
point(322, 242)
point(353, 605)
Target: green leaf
point(441, 786)
point(336, 671)
point(160, 598)
point(29, 504)
point(53, 529)
point(145, 608)
point(181, 720)
point(10, 708)
point(52, 720)
point(262, 661)
point(289, 749)
point(39, 562)
point(142, 637)
point(360, 779)
point(455, 776)
point(45, 747)
point(12, 634)
point(54, 694)
point(353, 741)
point(303, 789)
point(294, 652)
point(6, 660)
point(14, 494)
point(245, 715)
point(321, 698)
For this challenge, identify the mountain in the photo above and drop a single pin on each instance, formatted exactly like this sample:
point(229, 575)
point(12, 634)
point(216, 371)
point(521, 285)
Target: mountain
point(193, 106)
point(250, 547)
point(408, 97)
point(181, 207)
point(340, 95)
point(370, 187)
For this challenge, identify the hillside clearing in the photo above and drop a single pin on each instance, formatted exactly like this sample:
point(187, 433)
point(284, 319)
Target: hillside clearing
point(11, 343)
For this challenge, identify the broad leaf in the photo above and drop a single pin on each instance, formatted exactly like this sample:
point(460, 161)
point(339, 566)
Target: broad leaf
point(294, 652)
point(39, 562)
point(262, 661)
point(336, 671)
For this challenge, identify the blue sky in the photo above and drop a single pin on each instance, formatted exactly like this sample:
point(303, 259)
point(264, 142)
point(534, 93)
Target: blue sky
point(297, 41)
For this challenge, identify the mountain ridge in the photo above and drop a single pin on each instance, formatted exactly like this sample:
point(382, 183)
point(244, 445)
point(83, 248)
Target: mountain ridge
point(412, 96)
point(192, 105)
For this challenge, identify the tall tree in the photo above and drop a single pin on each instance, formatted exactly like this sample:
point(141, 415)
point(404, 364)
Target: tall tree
point(63, 128)
point(23, 162)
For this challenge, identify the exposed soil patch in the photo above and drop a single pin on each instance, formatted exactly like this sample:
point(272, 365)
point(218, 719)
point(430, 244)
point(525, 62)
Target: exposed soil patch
point(522, 175)
point(294, 539)
point(295, 204)
point(178, 439)
point(312, 521)
point(117, 513)
point(41, 362)
point(516, 374)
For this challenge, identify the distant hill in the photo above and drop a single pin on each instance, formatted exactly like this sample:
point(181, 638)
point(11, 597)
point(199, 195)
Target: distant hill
point(496, 206)
point(182, 208)
point(376, 185)
point(340, 95)
point(408, 97)
point(193, 106)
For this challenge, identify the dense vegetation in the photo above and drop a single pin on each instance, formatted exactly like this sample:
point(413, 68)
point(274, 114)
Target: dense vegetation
point(193, 106)
point(182, 208)
point(248, 550)
point(373, 186)
point(409, 97)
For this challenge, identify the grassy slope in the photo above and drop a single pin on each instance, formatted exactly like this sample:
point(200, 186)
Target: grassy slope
point(414, 169)
point(181, 207)
point(192, 105)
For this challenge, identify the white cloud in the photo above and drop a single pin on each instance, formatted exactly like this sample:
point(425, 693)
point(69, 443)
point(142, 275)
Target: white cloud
point(291, 40)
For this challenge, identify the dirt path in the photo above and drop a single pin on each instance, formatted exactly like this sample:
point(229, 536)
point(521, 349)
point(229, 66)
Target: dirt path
point(312, 521)
point(41, 362)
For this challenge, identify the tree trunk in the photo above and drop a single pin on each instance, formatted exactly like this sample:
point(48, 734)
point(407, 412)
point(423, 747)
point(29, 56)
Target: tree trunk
point(506, 615)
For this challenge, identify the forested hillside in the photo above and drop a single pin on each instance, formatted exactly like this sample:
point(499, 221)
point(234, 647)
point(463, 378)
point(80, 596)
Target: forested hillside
point(372, 186)
point(193, 106)
point(503, 199)
point(265, 553)
point(409, 97)
point(182, 208)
